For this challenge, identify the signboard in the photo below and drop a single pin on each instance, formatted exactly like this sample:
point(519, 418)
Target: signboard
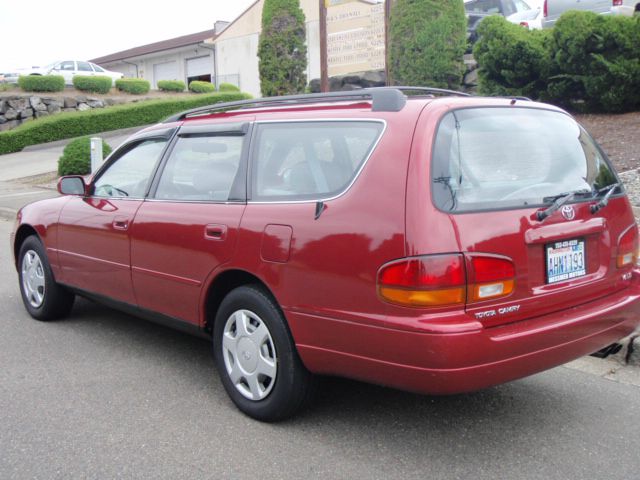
point(355, 32)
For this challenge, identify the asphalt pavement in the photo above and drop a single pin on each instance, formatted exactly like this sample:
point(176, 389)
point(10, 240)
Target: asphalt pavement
point(105, 395)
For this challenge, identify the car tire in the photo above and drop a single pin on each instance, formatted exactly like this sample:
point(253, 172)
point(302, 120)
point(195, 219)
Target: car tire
point(256, 357)
point(43, 298)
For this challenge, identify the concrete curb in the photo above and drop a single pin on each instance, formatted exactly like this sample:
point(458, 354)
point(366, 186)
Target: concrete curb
point(59, 143)
point(630, 353)
point(7, 213)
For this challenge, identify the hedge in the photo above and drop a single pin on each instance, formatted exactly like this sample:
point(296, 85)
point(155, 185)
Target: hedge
point(201, 87)
point(76, 124)
point(41, 83)
point(135, 86)
point(228, 87)
point(97, 84)
point(76, 157)
point(171, 85)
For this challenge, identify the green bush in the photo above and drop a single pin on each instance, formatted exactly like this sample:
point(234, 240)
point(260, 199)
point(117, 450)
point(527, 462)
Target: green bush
point(171, 85)
point(282, 49)
point(228, 87)
point(76, 157)
point(97, 84)
point(513, 61)
point(201, 87)
point(135, 86)
point(76, 124)
point(596, 62)
point(427, 40)
point(41, 83)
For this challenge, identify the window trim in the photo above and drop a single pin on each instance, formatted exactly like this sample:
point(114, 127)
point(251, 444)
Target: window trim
point(320, 198)
point(621, 188)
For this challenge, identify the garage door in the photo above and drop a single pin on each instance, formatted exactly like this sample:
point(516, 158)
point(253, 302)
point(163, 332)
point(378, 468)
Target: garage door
point(197, 67)
point(165, 71)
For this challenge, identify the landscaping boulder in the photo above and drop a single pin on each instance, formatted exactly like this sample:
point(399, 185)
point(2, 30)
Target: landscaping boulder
point(10, 114)
point(19, 103)
point(26, 113)
point(70, 102)
point(83, 106)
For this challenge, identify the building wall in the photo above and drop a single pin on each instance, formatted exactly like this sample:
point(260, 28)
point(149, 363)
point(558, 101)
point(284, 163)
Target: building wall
point(237, 46)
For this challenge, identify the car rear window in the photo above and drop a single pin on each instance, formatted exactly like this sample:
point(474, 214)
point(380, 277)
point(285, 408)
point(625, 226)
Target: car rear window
point(498, 158)
point(310, 160)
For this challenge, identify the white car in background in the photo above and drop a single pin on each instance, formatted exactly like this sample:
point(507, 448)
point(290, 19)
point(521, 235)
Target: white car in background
point(625, 7)
point(67, 68)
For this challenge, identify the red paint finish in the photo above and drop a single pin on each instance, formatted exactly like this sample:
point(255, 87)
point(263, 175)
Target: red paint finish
point(324, 270)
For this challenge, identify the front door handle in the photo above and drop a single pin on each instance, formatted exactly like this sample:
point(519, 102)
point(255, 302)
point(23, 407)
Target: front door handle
point(120, 224)
point(215, 232)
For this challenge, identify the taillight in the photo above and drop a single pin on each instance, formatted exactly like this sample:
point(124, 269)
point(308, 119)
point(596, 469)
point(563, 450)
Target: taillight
point(617, 3)
point(628, 248)
point(545, 9)
point(490, 277)
point(433, 280)
point(445, 280)
point(524, 24)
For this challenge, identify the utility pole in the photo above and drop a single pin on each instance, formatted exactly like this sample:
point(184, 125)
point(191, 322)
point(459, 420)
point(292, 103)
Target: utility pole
point(324, 66)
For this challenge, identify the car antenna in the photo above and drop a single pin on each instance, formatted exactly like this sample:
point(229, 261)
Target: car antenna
point(320, 208)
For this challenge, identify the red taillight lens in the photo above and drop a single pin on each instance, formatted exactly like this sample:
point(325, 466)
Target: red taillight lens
point(524, 24)
point(628, 248)
point(490, 277)
point(433, 280)
point(617, 3)
point(545, 9)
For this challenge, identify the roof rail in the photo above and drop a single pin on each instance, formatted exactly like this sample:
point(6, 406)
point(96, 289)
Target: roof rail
point(383, 99)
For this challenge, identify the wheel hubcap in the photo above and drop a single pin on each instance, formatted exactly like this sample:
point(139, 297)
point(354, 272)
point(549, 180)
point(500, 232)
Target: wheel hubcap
point(33, 282)
point(249, 354)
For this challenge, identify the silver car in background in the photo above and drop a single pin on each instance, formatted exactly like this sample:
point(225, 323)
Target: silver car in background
point(552, 9)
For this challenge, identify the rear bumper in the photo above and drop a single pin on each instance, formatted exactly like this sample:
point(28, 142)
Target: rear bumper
point(463, 362)
point(623, 10)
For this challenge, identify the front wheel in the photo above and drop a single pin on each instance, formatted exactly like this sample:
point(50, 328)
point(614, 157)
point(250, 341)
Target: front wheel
point(256, 357)
point(43, 298)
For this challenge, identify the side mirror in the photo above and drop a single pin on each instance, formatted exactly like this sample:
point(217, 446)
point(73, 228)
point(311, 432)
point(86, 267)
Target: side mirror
point(72, 185)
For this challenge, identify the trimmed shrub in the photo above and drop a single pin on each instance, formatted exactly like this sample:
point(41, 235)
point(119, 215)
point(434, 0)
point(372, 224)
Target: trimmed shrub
point(596, 62)
point(75, 124)
point(171, 85)
point(228, 87)
point(427, 40)
point(76, 157)
point(135, 86)
point(97, 84)
point(282, 51)
point(201, 87)
point(513, 61)
point(41, 83)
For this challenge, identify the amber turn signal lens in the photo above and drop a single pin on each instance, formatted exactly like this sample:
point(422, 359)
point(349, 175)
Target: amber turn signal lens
point(423, 298)
point(628, 248)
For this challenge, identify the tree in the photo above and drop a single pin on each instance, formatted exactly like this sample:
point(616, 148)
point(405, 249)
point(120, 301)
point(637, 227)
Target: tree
point(427, 40)
point(282, 51)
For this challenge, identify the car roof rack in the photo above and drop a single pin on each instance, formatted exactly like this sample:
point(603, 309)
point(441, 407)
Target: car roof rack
point(383, 99)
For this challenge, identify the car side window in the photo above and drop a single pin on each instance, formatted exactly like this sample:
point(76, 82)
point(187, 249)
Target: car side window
point(201, 169)
point(129, 175)
point(309, 160)
point(68, 66)
point(84, 67)
point(97, 68)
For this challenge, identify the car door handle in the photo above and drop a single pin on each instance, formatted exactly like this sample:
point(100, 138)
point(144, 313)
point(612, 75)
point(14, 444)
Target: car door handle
point(215, 232)
point(120, 224)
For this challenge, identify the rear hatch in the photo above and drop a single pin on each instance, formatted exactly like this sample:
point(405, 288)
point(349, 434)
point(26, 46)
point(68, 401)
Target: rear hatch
point(530, 187)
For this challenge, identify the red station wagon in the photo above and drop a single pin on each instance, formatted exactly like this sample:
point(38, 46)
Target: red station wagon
point(437, 243)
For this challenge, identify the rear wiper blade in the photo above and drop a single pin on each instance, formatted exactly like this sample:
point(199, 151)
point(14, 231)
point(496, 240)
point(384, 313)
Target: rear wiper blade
point(610, 189)
point(575, 193)
point(559, 201)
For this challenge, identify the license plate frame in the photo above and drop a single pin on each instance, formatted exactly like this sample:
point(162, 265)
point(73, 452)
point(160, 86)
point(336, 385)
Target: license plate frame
point(565, 260)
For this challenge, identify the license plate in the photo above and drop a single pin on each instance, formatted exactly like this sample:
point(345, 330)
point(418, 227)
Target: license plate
point(565, 260)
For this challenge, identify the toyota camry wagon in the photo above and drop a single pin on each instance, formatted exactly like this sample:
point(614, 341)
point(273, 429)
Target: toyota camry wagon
point(410, 237)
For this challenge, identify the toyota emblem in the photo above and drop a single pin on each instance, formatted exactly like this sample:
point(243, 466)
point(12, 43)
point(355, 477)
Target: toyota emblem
point(568, 212)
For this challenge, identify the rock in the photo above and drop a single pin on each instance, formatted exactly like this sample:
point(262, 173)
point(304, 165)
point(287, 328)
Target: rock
point(70, 102)
point(47, 100)
point(347, 87)
point(471, 78)
point(633, 350)
point(9, 125)
point(92, 99)
point(53, 108)
point(81, 99)
point(36, 103)
point(114, 101)
point(352, 79)
point(40, 113)
point(96, 103)
point(335, 83)
point(4, 106)
point(2, 120)
point(69, 110)
point(11, 114)
point(19, 103)
point(373, 79)
point(83, 107)
point(26, 113)
point(314, 85)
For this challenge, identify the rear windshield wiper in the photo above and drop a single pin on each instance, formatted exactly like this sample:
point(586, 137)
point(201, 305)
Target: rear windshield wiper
point(558, 201)
point(605, 200)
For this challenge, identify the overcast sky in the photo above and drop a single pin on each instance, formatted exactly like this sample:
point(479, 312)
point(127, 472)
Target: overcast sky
point(40, 32)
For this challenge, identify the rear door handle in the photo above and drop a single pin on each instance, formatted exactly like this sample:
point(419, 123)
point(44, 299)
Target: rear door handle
point(120, 224)
point(215, 232)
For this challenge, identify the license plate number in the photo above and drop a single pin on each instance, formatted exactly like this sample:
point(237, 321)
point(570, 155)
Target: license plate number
point(565, 260)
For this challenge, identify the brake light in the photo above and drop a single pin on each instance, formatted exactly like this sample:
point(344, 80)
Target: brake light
point(445, 280)
point(617, 3)
point(434, 280)
point(524, 24)
point(545, 9)
point(628, 248)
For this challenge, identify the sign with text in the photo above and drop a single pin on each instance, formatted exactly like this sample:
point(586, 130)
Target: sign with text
point(355, 36)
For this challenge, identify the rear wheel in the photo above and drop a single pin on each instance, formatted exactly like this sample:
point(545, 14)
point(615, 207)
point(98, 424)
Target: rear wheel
point(43, 298)
point(256, 357)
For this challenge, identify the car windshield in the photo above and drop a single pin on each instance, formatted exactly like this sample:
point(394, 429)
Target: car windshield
point(497, 158)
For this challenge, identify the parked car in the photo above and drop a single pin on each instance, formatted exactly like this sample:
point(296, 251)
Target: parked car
point(625, 7)
point(406, 241)
point(515, 11)
point(68, 69)
point(553, 9)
